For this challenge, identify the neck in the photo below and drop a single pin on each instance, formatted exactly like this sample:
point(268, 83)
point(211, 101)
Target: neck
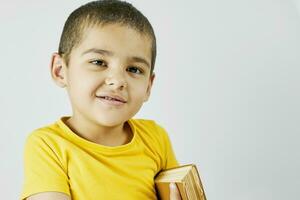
point(104, 135)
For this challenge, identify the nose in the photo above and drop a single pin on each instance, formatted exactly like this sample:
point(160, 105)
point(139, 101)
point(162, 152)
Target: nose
point(116, 80)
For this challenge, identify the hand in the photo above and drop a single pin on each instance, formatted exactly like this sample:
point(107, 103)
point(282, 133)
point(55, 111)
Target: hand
point(174, 192)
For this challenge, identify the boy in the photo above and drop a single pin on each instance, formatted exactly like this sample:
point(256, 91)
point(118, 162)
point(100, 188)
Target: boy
point(105, 61)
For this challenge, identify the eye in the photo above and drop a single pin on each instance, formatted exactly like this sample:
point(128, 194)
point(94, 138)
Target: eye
point(98, 62)
point(135, 70)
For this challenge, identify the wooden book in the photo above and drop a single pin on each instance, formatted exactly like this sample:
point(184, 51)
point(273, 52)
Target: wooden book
point(187, 179)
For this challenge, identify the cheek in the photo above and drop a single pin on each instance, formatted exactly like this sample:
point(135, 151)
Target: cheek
point(82, 84)
point(139, 91)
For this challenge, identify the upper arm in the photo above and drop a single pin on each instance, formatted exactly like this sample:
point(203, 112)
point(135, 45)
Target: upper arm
point(49, 196)
point(44, 170)
point(170, 158)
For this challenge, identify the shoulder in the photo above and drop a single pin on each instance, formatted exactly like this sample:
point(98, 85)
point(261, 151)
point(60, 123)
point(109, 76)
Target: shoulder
point(45, 132)
point(148, 126)
point(151, 130)
point(146, 123)
point(156, 138)
point(48, 137)
point(46, 145)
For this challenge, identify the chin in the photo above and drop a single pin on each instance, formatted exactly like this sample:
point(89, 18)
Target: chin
point(110, 122)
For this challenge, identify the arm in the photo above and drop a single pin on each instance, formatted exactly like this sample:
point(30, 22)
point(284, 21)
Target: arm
point(44, 171)
point(49, 196)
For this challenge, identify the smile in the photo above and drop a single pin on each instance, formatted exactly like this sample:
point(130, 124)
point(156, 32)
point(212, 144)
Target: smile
point(111, 101)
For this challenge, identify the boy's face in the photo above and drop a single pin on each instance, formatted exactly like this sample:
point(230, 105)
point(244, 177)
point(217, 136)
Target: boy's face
point(111, 60)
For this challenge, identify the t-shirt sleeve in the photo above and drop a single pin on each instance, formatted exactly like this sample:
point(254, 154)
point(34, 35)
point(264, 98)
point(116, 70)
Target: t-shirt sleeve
point(170, 158)
point(43, 170)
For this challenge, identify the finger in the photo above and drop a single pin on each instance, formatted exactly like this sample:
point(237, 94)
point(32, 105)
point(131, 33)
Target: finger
point(174, 192)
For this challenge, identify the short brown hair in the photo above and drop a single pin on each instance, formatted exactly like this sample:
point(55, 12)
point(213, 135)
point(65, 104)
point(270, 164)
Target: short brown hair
point(103, 12)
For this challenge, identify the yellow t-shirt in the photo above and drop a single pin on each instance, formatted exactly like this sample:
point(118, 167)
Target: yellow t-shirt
point(56, 159)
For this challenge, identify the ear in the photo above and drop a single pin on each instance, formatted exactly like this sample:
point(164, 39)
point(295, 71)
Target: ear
point(148, 92)
point(58, 70)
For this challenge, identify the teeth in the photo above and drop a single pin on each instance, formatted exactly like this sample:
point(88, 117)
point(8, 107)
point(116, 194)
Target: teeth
point(111, 99)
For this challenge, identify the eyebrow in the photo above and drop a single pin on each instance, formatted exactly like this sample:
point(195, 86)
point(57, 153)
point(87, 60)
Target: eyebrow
point(109, 53)
point(99, 51)
point(140, 60)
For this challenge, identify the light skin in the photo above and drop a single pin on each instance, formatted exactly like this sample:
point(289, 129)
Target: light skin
point(106, 62)
point(111, 59)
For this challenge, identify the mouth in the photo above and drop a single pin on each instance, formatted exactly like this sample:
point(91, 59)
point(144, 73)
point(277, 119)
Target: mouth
point(112, 100)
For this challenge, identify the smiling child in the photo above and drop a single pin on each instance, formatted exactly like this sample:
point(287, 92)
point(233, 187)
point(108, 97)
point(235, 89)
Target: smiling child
point(105, 62)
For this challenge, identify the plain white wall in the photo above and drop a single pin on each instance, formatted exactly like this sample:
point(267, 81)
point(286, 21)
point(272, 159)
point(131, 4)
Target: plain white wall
point(227, 89)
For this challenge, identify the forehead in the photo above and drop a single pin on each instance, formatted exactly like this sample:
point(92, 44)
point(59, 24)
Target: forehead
point(119, 39)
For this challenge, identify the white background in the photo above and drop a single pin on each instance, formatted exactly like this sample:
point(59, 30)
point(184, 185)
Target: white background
point(226, 90)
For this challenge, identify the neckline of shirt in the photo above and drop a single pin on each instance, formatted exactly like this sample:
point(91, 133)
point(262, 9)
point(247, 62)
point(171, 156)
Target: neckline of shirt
point(93, 145)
